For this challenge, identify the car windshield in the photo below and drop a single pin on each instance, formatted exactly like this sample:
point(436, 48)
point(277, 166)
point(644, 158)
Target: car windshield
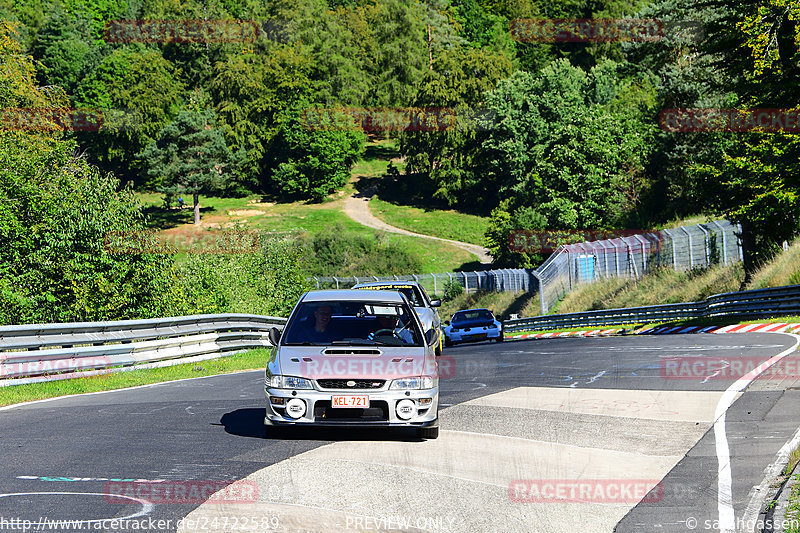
point(354, 323)
point(412, 293)
point(473, 316)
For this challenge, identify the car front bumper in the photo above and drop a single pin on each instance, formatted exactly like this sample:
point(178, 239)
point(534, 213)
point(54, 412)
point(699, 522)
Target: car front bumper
point(473, 336)
point(382, 411)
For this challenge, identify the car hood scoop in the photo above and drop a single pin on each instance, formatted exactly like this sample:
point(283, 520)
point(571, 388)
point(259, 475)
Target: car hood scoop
point(352, 352)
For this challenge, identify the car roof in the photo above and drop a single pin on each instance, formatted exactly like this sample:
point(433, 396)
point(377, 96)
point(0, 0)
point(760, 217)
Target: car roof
point(347, 295)
point(472, 310)
point(392, 283)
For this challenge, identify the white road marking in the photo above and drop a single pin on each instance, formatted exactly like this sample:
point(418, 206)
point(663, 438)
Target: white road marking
point(147, 507)
point(717, 373)
point(759, 492)
point(596, 377)
point(727, 518)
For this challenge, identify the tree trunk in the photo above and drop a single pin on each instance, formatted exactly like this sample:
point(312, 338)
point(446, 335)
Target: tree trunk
point(430, 49)
point(196, 208)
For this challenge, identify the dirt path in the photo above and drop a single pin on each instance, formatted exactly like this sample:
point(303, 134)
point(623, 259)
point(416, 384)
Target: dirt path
point(357, 208)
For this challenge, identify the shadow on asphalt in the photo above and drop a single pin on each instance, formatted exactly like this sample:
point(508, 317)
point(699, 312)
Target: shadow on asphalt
point(250, 423)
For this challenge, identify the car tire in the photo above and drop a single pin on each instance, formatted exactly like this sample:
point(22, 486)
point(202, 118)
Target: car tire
point(447, 342)
point(500, 338)
point(428, 432)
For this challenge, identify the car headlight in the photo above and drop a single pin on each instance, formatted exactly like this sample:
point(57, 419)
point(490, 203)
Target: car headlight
point(416, 382)
point(288, 382)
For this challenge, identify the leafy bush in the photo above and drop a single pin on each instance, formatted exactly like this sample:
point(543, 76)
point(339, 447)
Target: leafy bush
point(267, 282)
point(335, 251)
point(452, 290)
point(314, 160)
point(56, 212)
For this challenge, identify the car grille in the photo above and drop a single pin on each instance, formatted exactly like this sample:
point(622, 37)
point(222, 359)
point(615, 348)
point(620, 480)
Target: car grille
point(359, 383)
point(378, 412)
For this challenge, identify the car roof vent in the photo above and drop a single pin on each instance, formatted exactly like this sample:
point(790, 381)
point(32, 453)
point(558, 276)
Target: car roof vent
point(351, 352)
point(295, 360)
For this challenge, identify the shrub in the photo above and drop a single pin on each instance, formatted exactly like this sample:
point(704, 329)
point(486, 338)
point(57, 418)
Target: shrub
point(334, 251)
point(452, 290)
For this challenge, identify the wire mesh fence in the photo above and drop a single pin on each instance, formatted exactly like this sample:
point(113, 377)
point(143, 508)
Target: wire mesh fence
point(681, 248)
point(501, 280)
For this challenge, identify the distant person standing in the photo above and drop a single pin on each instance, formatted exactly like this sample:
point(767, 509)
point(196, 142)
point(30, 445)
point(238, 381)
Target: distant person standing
point(180, 203)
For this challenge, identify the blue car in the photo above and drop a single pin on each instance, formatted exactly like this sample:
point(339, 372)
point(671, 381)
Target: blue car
point(473, 325)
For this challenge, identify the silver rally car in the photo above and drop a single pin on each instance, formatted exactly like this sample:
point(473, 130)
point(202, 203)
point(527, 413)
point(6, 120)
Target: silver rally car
point(353, 358)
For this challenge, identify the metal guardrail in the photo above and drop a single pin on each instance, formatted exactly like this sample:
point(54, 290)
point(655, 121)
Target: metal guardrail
point(44, 349)
point(776, 301)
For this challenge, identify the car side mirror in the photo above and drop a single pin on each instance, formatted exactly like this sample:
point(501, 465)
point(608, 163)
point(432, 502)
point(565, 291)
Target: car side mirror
point(274, 336)
point(429, 335)
point(446, 322)
point(436, 303)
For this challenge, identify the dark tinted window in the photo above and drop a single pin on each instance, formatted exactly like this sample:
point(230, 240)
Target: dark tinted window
point(472, 316)
point(358, 323)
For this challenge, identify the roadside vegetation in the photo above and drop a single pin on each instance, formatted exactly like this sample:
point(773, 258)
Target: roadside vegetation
point(249, 360)
point(503, 304)
point(663, 286)
point(784, 269)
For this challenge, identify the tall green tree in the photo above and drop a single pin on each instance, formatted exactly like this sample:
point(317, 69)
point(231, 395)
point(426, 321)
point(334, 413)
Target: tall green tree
point(56, 212)
point(62, 46)
point(314, 152)
point(141, 90)
point(561, 148)
point(447, 158)
point(747, 58)
point(190, 155)
point(758, 181)
point(250, 91)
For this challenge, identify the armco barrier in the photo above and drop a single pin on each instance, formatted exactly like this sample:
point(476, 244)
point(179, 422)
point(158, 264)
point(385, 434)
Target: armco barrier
point(35, 349)
point(778, 301)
